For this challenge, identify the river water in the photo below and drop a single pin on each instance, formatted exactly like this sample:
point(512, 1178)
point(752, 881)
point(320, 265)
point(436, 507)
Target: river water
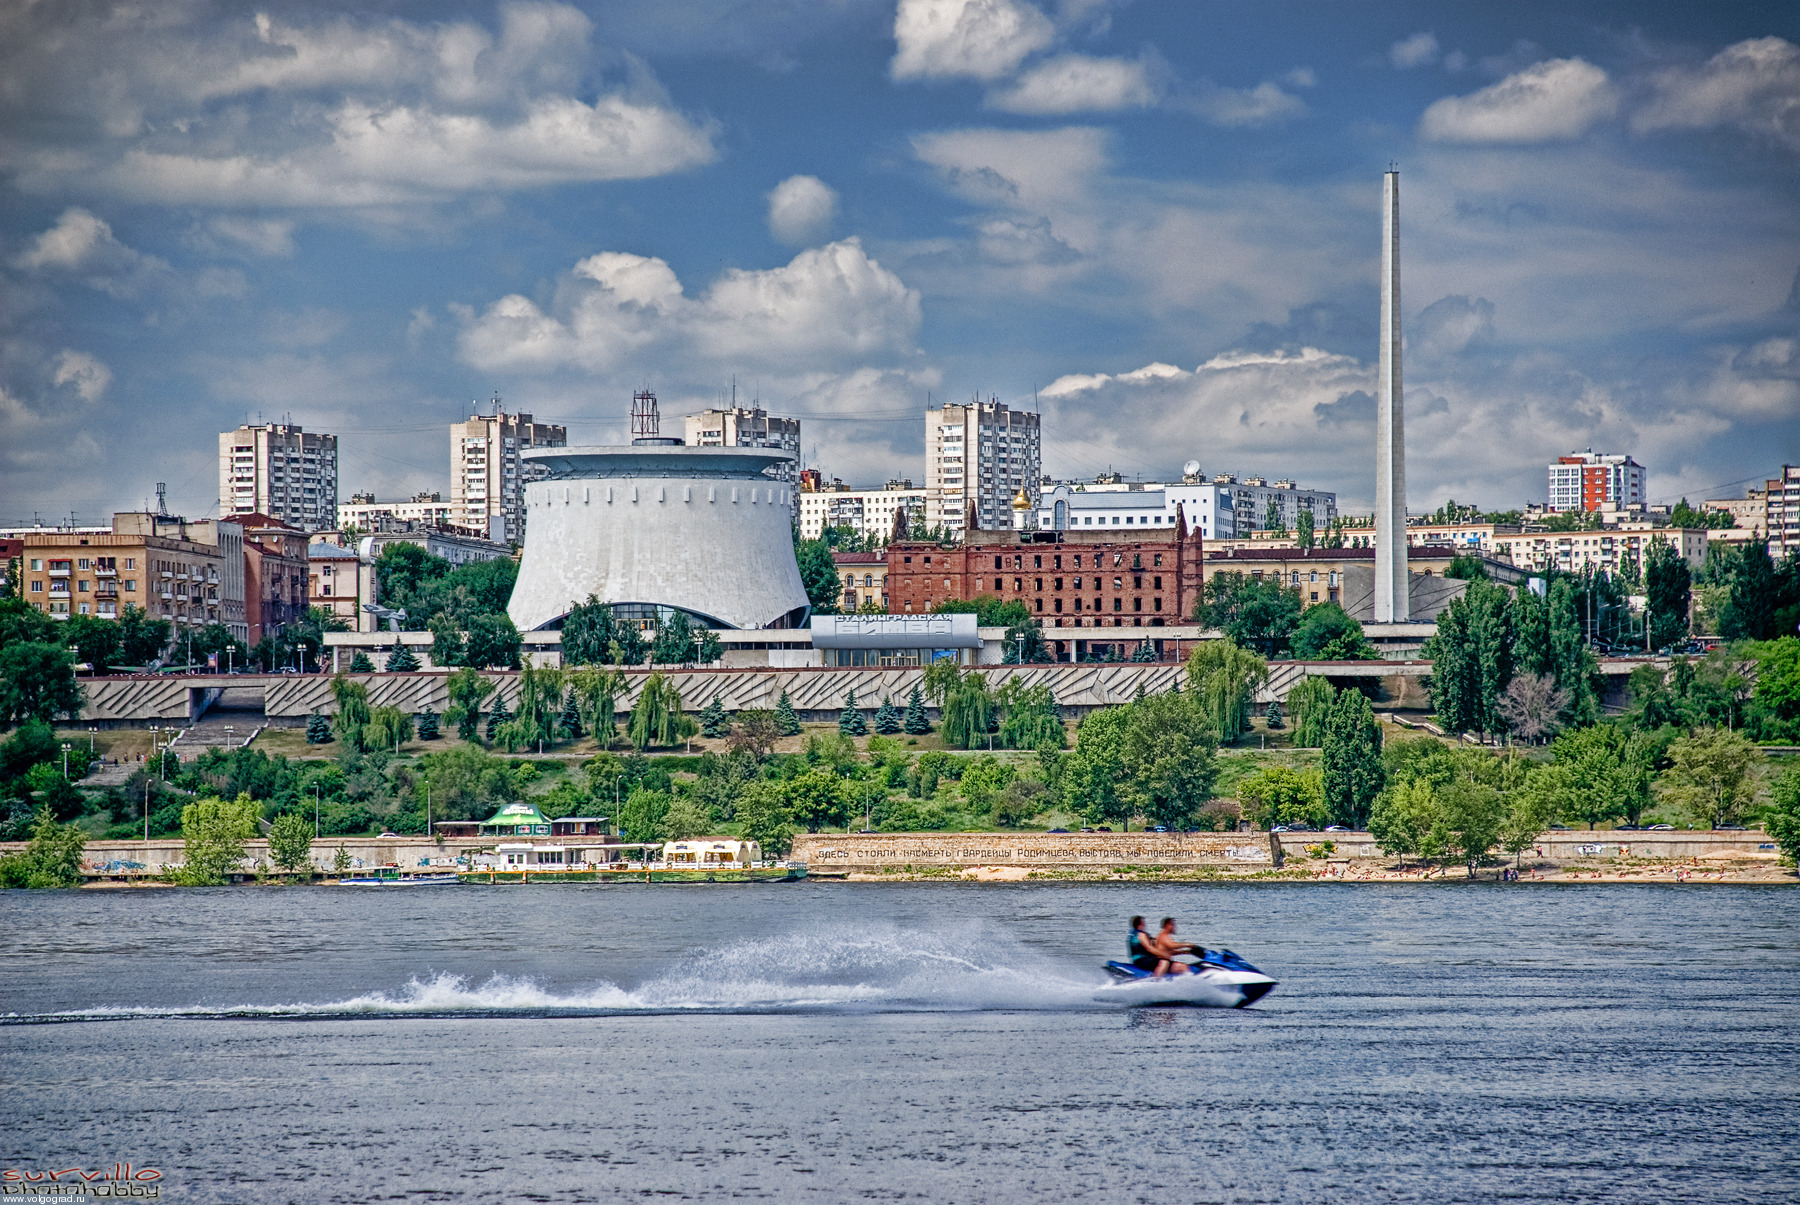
point(907, 1042)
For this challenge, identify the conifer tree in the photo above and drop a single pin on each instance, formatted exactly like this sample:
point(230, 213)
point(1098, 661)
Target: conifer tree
point(428, 725)
point(851, 721)
point(360, 664)
point(497, 717)
point(318, 729)
point(784, 715)
point(1274, 719)
point(402, 660)
point(713, 720)
point(887, 720)
point(569, 722)
point(917, 723)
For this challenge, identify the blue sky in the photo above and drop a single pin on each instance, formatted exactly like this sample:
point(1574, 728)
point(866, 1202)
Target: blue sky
point(1159, 218)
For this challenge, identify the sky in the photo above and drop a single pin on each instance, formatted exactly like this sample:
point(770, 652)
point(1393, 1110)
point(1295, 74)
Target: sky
point(1159, 223)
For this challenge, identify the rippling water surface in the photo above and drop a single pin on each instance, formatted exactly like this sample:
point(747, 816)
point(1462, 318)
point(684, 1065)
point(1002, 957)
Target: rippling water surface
point(915, 1042)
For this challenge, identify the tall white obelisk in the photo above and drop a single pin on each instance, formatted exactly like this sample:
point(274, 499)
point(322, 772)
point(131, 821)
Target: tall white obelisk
point(1392, 597)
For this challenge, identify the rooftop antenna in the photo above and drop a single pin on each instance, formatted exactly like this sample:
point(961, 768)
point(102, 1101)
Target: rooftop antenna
point(734, 391)
point(645, 421)
point(162, 498)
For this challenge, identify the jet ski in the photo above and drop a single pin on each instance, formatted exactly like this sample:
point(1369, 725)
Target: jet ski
point(1223, 981)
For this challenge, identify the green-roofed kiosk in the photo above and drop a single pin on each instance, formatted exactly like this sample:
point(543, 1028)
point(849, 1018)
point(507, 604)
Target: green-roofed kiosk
point(519, 819)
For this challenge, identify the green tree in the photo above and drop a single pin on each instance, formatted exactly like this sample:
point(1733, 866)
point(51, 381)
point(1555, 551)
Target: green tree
point(51, 858)
point(1782, 820)
point(643, 815)
point(887, 717)
point(1668, 593)
point(674, 643)
point(214, 831)
point(658, 719)
point(141, 639)
point(1032, 719)
point(1327, 633)
point(1272, 718)
point(1601, 774)
point(1352, 764)
point(1474, 815)
point(352, 713)
point(466, 689)
point(596, 692)
point(1303, 531)
point(1224, 678)
point(290, 841)
point(1255, 612)
point(386, 728)
point(1309, 703)
point(852, 722)
point(1092, 775)
point(1471, 659)
point(818, 575)
point(37, 682)
point(763, 817)
point(402, 660)
point(755, 733)
point(1274, 518)
point(340, 861)
point(568, 721)
point(318, 729)
point(816, 799)
point(1529, 811)
point(1775, 707)
point(1749, 612)
point(990, 611)
point(1167, 753)
point(784, 716)
point(1407, 819)
point(428, 725)
point(588, 633)
point(498, 718)
point(685, 820)
point(968, 712)
point(1024, 644)
point(360, 664)
point(917, 723)
point(1282, 795)
point(714, 723)
point(1712, 775)
point(96, 641)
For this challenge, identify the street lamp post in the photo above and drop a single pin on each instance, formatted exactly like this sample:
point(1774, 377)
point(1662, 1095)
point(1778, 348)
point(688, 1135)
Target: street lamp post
point(65, 746)
point(315, 811)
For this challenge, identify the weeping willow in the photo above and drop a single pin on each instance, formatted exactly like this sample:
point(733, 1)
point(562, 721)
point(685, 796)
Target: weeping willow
point(658, 719)
point(1225, 677)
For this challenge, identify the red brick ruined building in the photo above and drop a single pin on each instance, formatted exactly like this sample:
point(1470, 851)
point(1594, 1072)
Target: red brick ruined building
point(1067, 579)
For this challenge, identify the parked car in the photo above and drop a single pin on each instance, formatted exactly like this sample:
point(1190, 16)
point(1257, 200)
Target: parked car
point(1299, 827)
point(1278, 828)
point(1661, 828)
point(1336, 828)
point(1159, 828)
point(387, 836)
point(1059, 830)
point(1103, 829)
point(1728, 828)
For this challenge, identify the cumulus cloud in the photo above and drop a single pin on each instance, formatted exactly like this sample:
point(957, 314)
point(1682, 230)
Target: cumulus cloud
point(85, 373)
point(1262, 105)
point(1452, 325)
point(1551, 101)
point(84, 246)
point(832, 306)
point(328, 112)
point(801, 209)
point(1411, 52)
point(1754, 86)
point(972, 39)
point(1078, 83)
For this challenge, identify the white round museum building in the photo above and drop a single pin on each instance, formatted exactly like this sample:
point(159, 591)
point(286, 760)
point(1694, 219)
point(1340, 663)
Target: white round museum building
point(653, 527)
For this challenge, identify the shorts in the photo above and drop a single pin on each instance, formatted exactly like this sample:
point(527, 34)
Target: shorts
point(1146, 962)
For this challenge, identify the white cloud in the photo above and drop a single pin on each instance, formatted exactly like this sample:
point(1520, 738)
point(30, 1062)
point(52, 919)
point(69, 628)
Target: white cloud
point(1262, 105)
point(83, 245)
point(332, 112)
point(1410, 52)
point(258, 236)
point(1078, 83)
point(832, 307)
point(801, 209)
point(1551, 101)
point(976, 39)
point(1754, 85)
point(86, 373)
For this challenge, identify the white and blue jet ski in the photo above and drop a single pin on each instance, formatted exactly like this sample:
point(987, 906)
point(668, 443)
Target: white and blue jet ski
point(1223, 980)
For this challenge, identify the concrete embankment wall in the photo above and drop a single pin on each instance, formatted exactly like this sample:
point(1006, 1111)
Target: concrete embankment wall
point(159, 855)
point(1065, 851)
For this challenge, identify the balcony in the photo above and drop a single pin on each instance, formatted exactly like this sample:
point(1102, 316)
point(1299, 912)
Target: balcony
point(99, 572)
point(62, 571)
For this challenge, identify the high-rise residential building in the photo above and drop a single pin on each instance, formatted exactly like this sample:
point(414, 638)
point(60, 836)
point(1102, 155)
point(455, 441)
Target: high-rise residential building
point(978, 455)
point(1781, 510)
point(868, 512)
point(279, 470)
point(487, 477)
point(1594, 481)
point(747, 427)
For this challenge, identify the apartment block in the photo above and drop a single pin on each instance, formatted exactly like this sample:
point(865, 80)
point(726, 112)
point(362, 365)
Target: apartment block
point(279, 470)
point(746, 427)
point(339, 582)
point(1605, 549)
point(487, 476)
point(1591, 481)
point(978, 457)
point(1781, 511)
point(275, 569)
point(864, 575)
point(868, 512)
point(191, 574)
point(364, 513)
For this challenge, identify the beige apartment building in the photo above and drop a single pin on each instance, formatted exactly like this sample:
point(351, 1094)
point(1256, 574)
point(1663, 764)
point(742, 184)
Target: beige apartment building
point(279, 470)
point(487, 476)
point(1605, 549)
point(429, 509)
point(746, 427)
point(191, 574)
point(979, 455)
point(1781, 511)
point(868, 512)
